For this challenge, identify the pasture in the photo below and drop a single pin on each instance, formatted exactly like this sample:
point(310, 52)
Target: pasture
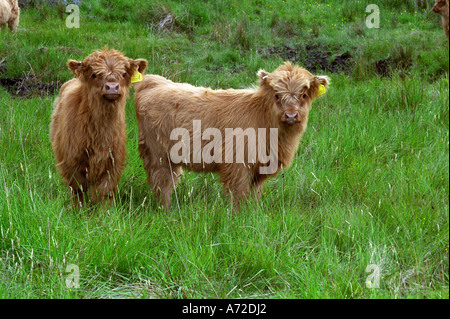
point(369, 184)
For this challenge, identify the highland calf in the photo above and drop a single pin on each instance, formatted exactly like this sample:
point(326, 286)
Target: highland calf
point(441, 8)
point(9, 14)
point(87, 130)
point(267, 124)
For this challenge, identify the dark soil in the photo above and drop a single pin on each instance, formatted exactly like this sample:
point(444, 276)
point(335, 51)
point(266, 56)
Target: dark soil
point(386, 67)
point(285, 52)
point(312, 57)
point(383, 67)
point(28, 87)
point(320, 58)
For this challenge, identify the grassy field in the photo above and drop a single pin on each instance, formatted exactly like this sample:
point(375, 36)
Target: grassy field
point(369, 184)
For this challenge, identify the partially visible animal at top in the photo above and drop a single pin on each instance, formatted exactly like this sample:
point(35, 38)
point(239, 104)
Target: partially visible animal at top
point(441, 8)
point(9, 14)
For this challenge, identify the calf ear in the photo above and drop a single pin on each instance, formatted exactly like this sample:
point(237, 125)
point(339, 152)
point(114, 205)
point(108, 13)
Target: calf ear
point(319, 84)
point(262, 74)
point(322, 79)
point(75, 67)
point(140, 65)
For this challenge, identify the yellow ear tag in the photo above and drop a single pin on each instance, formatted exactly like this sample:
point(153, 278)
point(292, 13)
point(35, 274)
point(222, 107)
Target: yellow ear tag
point(137, 77)
point(322, 90)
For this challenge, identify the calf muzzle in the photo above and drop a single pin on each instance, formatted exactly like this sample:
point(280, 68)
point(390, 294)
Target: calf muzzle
point(291, 118)
point(111, 90)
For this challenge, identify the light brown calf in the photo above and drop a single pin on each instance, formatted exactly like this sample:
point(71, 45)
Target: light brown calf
point(9, 14)
point(87, 130)
point(281, 102)
point(441, 8)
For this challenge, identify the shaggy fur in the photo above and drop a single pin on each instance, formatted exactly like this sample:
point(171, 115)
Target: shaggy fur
point(441, 8)
point(87, 130)
point(9, 14)
point(162, 105)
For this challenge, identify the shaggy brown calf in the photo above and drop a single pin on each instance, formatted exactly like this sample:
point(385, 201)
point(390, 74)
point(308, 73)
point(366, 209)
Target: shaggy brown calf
point(276, 111)
point(9, 14)
point(87, 130)
point(441, 8)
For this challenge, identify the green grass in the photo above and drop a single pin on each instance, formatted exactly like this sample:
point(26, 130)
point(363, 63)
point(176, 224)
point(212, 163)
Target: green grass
point(369, 183)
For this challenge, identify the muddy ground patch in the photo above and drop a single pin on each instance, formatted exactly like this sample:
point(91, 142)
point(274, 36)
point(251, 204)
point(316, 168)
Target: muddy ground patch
point(313, 57)
point(28, 87)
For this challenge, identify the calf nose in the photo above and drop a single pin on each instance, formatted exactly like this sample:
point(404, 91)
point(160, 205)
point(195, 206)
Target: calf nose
point(291, 116)
point(112, 88)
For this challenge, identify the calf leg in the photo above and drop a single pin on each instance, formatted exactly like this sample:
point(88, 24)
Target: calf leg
point(236, 181)
point(76, 179)
point(257, 185)
point(163, 180)
point(105, 185)
point(104, 189)
point(162, 175)
point(13, 23)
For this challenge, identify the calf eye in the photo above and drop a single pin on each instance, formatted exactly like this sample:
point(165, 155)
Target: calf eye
point(305, 96)
point(276, 96)
point(93, 75)
point(124, 74)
